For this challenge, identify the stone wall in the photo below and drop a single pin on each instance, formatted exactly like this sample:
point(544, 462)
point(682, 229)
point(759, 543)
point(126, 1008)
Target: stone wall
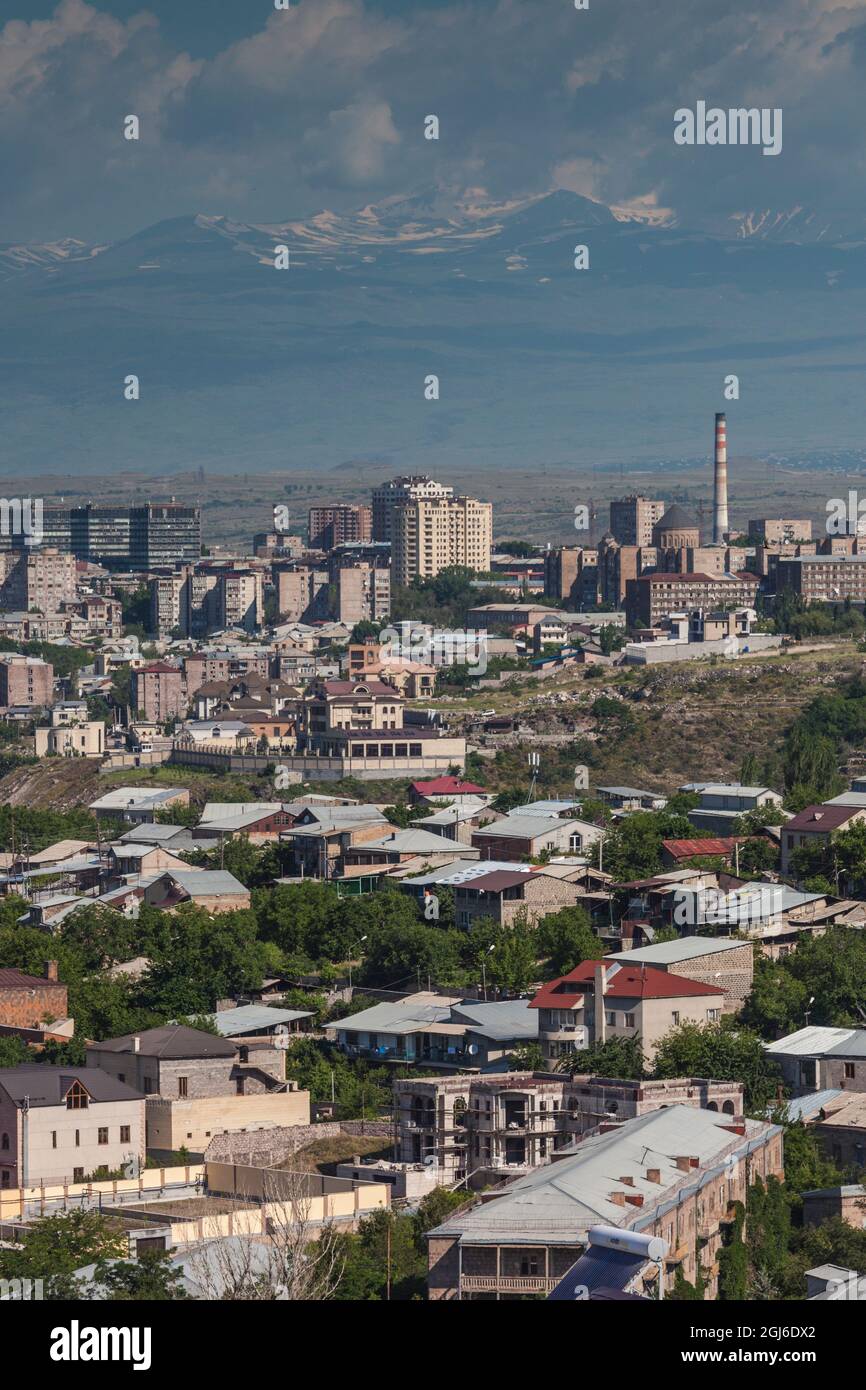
point(272, 1146)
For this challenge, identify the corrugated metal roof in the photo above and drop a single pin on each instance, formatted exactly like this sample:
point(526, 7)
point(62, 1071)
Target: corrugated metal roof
point(810, 1042)
point(669, 952)
point(250, 1018)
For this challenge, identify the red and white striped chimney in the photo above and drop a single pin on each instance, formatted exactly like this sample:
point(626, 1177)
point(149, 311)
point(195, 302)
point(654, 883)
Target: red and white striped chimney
point(720, 481)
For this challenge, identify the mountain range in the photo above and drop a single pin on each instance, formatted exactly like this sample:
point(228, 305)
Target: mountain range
point(242, 366)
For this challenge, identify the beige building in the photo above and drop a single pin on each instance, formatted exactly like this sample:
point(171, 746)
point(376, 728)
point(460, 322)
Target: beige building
point(85, 739)
point(602, 1000)
point(632, 519)
point(482, 1128)
point(430, 534)
point(25, 680)
point(40, 580)
point(389, 495)
point(198, 1085)
point(157, 691)
point(63, 1124)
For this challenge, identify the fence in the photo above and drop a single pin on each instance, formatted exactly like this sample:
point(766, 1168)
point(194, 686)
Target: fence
point(38, 1201)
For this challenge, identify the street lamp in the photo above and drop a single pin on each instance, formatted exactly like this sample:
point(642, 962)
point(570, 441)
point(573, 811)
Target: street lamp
point(484, 969)
point(354, 948)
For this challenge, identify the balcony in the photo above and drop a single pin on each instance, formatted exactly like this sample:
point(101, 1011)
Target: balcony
point(507, 1283)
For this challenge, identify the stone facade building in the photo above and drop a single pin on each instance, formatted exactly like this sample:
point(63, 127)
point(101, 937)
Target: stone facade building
point(27, 1001)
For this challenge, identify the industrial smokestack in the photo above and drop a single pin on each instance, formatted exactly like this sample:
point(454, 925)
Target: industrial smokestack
point(720, 481)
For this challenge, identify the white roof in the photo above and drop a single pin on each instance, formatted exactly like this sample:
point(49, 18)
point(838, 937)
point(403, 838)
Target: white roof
point(809, 1042)
point(138, 798)
point(225, 810)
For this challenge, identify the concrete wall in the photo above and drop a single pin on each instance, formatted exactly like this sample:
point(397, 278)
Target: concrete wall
point(172, 1124)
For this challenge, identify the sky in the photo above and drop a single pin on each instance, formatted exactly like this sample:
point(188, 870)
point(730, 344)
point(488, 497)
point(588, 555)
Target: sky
point(266, 115)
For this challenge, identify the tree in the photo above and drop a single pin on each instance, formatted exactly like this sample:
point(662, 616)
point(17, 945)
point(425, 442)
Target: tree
point(632, 849)
point(55, 1246)
point(566, 939)
point(723, 1051)
point(151, 1278)
point(528, 1057)
point(621, 1059)
point(734, 1261)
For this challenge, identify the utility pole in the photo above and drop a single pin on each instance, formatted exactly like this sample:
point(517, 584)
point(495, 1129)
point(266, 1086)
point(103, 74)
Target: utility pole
point(388, 1275)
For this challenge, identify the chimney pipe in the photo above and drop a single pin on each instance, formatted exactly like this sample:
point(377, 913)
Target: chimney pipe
point(598, 1003)
point(51, 970)
point(720, 481)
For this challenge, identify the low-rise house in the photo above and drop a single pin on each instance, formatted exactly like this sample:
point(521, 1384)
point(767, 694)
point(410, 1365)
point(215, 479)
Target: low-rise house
point(138, 804)
point(30, 1001)
point(674, 1173)
point(815, 1058)
point(841, 1128)
point(401, 847)
point(479, 1129)
point(457, 822)
point(198, 1085)
point(260, 1021)
point(600, 1000)
point(508, 896)
point(437, 1030)
point(454, 790)
point(83, 739)
point(62, 1124)
point(631, 799)
point(710, 960)
point(677, 852)
point(720, 803)
point(128, 862)
point(847, 1203)
point(260, 821)
point(216, 890)
point(817, 825)
point(773, 914)
point(320, 836)
point(517, 837)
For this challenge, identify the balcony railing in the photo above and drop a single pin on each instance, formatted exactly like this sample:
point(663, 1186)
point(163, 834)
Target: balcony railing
point(508, 1283)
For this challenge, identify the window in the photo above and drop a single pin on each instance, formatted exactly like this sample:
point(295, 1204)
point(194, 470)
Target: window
point(713, 1015)
point(849, 1071)
point(610, 1017)
point(4, 1143)
point(54, 1138)
point(629, 1020)
point(124, 1134)
point(675, 1019)
point(121, 1076)
point(78, 1175)
point(103, 1136)
point(78, 1139)
point(76, 1097)
point(182, 1086)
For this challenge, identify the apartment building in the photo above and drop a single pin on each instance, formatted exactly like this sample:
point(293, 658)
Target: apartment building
point(356, 705)
point(25, 680)
point(63, 1124)
point(483, 1128)
point(823, 578)
point(362, 593)
point(651, 597)
point(40, 580)
point(163, 533)
point(157, 691)
point(429, 534)
point(765, 530)
point(632, 519)
point(389, 495)
point(302, 593)
point(240, 599)
point(602, 1000)
point(333, 526)
point(170, 603)
point(720, 804)
point(674, 1173)
point(222, 664)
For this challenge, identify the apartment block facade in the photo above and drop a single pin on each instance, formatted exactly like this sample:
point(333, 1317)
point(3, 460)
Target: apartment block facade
point(25, 680)
point(429, 534)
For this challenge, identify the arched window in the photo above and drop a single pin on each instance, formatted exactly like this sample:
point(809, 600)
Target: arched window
point(711, 1105)
point(728, 1107)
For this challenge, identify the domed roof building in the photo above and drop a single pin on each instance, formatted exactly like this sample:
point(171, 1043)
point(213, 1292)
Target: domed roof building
point(676, 529)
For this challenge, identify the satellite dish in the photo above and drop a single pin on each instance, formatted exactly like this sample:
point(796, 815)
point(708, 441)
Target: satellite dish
point(472, 1049)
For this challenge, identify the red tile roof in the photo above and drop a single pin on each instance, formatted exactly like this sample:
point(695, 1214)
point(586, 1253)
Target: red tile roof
point(447, 786)
point(629, 982)
point(822, 818)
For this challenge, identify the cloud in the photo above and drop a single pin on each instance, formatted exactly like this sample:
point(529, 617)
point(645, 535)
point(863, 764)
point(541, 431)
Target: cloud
point(323, 105)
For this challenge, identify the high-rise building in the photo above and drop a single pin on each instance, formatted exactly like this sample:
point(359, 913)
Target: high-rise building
point(430, 534)
point(302, 594)
point(332, 526)
point(632, 519)
point(163, 533)
point(392, 494)
point(39, 581)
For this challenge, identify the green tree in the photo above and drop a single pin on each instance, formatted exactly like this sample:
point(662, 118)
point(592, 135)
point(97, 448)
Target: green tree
point(54, 1247)
point(151, 1278)
point(621, 1059)
point(565, 939)
point(724, 1051)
